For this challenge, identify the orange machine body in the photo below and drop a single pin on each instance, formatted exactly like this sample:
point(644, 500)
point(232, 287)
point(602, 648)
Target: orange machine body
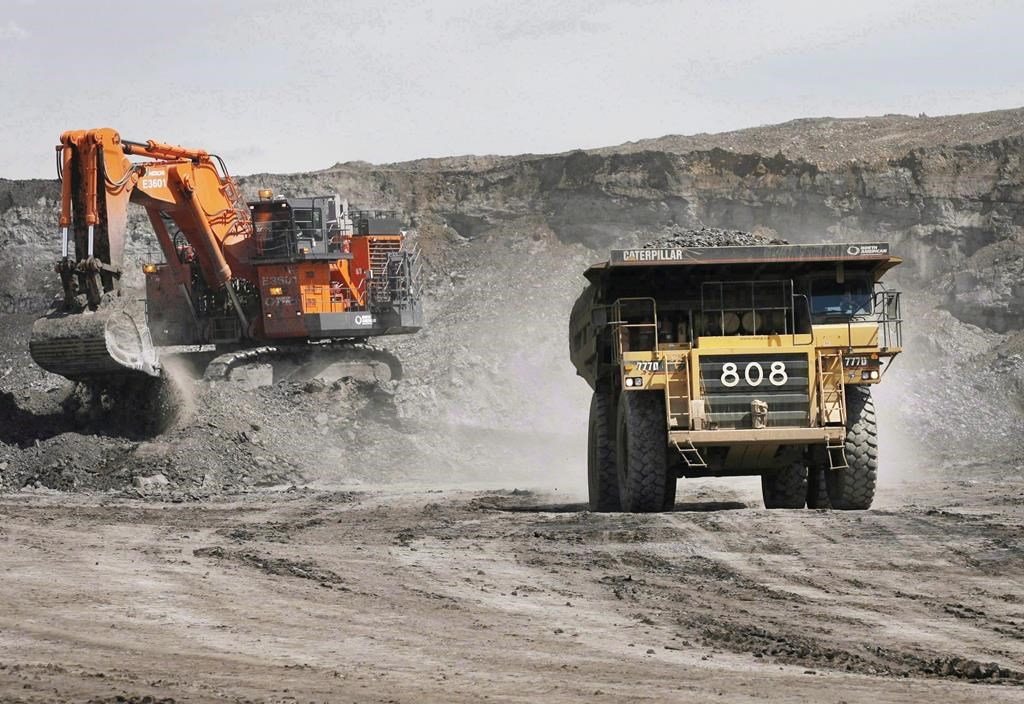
point(232, 271)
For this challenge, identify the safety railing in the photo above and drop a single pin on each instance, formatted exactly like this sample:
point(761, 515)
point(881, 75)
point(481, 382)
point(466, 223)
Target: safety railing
point(885, 310)
point(636, 324)
point(274, 239)
point(400, 287)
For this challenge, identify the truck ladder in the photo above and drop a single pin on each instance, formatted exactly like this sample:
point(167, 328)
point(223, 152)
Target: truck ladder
point(836, 454)
point(691, 455)
point(677, 395)
point(831, 395)
point(832, 399)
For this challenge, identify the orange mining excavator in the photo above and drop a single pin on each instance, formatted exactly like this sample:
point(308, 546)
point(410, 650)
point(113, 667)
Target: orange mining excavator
point(260, 280)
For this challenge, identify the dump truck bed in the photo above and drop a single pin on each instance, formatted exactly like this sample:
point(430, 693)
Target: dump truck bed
point(644, 271)
point(874, 255)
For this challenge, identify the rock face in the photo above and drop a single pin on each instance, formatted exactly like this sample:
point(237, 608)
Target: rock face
point(947, 192)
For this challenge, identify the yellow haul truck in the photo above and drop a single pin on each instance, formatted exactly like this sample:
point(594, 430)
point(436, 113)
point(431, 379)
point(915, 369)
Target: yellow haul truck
point(732, 361)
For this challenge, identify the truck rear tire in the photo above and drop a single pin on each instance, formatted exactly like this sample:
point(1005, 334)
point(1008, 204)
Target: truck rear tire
point(642, 453)
point(602, 473)
point(853, 488)
point(786, 487)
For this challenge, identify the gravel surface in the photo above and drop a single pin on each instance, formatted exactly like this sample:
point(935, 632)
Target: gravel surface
point(456, 594)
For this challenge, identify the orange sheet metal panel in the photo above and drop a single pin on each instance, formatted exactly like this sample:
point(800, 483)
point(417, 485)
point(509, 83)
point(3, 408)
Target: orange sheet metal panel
point(359, 265)
point(315, 284)
point(281, 296)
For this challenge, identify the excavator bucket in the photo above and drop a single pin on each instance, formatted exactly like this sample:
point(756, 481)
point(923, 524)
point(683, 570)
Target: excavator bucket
point(112, 340)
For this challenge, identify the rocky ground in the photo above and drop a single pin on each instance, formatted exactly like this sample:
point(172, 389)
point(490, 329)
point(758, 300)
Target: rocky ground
point(449, 593)
point(425, 538)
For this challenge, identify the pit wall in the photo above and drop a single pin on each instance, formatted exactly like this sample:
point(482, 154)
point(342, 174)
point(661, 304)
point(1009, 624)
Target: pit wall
point(954, 213)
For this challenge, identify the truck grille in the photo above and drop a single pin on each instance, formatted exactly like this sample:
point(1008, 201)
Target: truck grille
point(730, 382)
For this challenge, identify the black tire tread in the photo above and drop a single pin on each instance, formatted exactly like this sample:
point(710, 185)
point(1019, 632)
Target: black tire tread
point(643, 462)
point(853, 488)
point(785, 487)
point(602, 472)
point(817, 492)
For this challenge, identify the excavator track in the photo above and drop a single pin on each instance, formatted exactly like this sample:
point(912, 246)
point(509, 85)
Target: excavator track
point(110, 341)
point(297, 362)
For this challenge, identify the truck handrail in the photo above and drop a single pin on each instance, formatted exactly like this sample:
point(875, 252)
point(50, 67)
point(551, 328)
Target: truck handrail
point(622, 325)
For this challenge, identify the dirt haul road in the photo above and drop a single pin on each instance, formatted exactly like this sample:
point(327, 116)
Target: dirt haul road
point(407, 595)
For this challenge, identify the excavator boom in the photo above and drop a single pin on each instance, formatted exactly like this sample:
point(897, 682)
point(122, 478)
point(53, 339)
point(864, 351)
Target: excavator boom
point(99, 328)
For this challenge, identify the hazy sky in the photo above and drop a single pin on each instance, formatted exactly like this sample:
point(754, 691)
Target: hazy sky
point(291, 86)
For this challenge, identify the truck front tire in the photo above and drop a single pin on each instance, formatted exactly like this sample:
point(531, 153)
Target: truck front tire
point(645, 482)
point(853, 488)
point(602, 473)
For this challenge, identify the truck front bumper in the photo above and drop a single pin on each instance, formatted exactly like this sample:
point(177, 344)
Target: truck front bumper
point(765, 436)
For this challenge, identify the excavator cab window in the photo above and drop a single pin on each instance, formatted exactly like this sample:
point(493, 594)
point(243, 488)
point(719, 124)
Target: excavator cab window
point(308, 223)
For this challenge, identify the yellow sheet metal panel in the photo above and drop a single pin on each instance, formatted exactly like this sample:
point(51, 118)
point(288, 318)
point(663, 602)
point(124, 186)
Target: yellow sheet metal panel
point(841, 335)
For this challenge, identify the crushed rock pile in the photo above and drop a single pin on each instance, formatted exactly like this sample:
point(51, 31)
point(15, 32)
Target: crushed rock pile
point(709, 237)
point(225, 437)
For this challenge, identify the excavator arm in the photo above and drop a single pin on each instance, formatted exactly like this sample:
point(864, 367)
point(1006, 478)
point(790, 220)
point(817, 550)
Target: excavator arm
point(98, 329)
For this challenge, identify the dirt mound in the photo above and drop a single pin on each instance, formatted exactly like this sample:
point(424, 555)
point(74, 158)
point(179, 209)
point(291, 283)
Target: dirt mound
point(182, 437)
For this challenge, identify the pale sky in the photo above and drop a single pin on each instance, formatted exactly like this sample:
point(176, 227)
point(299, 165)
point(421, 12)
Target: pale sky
point(293, 86)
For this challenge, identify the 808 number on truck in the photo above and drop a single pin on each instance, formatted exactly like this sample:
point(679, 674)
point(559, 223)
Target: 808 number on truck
point(754, 374)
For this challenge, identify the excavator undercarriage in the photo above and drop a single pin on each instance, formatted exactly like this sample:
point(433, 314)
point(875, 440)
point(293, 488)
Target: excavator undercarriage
point(286, 285)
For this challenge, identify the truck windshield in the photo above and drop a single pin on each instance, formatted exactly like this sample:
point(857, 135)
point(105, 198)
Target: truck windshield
point(850, 298)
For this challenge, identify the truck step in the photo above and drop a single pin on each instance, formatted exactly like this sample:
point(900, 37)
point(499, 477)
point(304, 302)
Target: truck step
point(691, 455)
point(836, 455)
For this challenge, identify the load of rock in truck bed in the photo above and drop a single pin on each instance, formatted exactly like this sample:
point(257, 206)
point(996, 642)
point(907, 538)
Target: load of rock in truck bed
point(708, 237)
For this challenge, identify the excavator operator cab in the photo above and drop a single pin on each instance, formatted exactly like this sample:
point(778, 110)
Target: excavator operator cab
point(288, 227)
